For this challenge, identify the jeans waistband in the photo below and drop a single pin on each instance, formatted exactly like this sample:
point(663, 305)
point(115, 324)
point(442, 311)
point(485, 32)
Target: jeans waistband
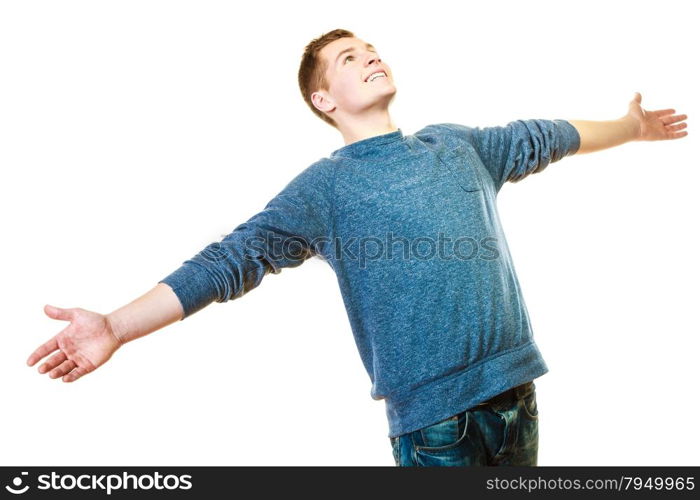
point(517, 392)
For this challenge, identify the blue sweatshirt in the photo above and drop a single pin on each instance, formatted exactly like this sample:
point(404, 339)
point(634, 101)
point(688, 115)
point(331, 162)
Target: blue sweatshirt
point(409, 225)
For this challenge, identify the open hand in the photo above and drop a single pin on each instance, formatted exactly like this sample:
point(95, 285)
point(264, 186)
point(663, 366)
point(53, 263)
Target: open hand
point(84, 345)
point(656, 125)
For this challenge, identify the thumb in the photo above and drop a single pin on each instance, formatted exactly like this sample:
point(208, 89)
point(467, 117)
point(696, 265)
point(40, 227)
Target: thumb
point(57, 312)
point(637, 97)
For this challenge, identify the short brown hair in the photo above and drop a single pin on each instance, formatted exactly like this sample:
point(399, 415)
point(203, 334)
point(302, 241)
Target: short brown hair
point(312, 70)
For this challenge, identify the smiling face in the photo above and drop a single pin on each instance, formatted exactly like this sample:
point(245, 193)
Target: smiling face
point(350, 62)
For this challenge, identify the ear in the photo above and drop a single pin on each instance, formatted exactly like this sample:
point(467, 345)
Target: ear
point(322, 101)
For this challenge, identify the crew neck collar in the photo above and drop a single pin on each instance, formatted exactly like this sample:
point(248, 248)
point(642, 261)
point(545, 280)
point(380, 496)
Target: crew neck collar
point(373, 147)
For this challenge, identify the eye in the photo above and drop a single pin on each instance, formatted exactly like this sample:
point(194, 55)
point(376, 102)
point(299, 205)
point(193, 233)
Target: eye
point(347, 58)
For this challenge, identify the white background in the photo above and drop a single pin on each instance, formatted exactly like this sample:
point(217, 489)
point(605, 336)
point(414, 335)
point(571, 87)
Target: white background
point(134, 133)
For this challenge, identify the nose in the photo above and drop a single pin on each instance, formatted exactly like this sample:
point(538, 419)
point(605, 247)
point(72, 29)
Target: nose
point(373, 58)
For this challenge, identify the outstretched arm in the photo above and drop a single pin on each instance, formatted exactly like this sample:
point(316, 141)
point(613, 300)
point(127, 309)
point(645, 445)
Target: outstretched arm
point(91, 338)
point(290, 229)
point(637, 125)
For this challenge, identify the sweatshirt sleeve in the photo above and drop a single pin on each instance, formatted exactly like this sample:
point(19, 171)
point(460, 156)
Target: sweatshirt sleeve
point(522, 147)
point(291, 228)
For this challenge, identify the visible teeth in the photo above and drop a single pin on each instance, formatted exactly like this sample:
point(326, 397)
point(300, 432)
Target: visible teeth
point(374, 76)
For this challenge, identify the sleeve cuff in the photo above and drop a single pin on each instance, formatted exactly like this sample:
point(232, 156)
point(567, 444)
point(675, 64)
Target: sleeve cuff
point(193, 287)
point(571, 137)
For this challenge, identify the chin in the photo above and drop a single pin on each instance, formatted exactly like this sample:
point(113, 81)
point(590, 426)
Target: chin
point(391, 94)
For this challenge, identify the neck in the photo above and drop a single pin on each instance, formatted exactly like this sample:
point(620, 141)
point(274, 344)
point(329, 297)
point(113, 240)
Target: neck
point(357, 128)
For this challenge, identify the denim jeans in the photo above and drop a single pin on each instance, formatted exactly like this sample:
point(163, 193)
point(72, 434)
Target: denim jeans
point(500, 431)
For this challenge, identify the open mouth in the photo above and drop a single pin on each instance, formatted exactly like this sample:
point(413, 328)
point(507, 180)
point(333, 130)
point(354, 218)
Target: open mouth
point(375, 76)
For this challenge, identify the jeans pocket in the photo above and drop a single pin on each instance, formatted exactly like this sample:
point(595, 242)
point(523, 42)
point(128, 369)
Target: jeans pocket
point(529, 406)
point(444, 435)
point(395, 448)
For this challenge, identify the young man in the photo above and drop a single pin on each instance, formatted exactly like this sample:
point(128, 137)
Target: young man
point(409, 225)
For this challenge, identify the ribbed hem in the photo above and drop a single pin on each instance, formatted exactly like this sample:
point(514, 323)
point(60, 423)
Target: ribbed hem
point(457, 392)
